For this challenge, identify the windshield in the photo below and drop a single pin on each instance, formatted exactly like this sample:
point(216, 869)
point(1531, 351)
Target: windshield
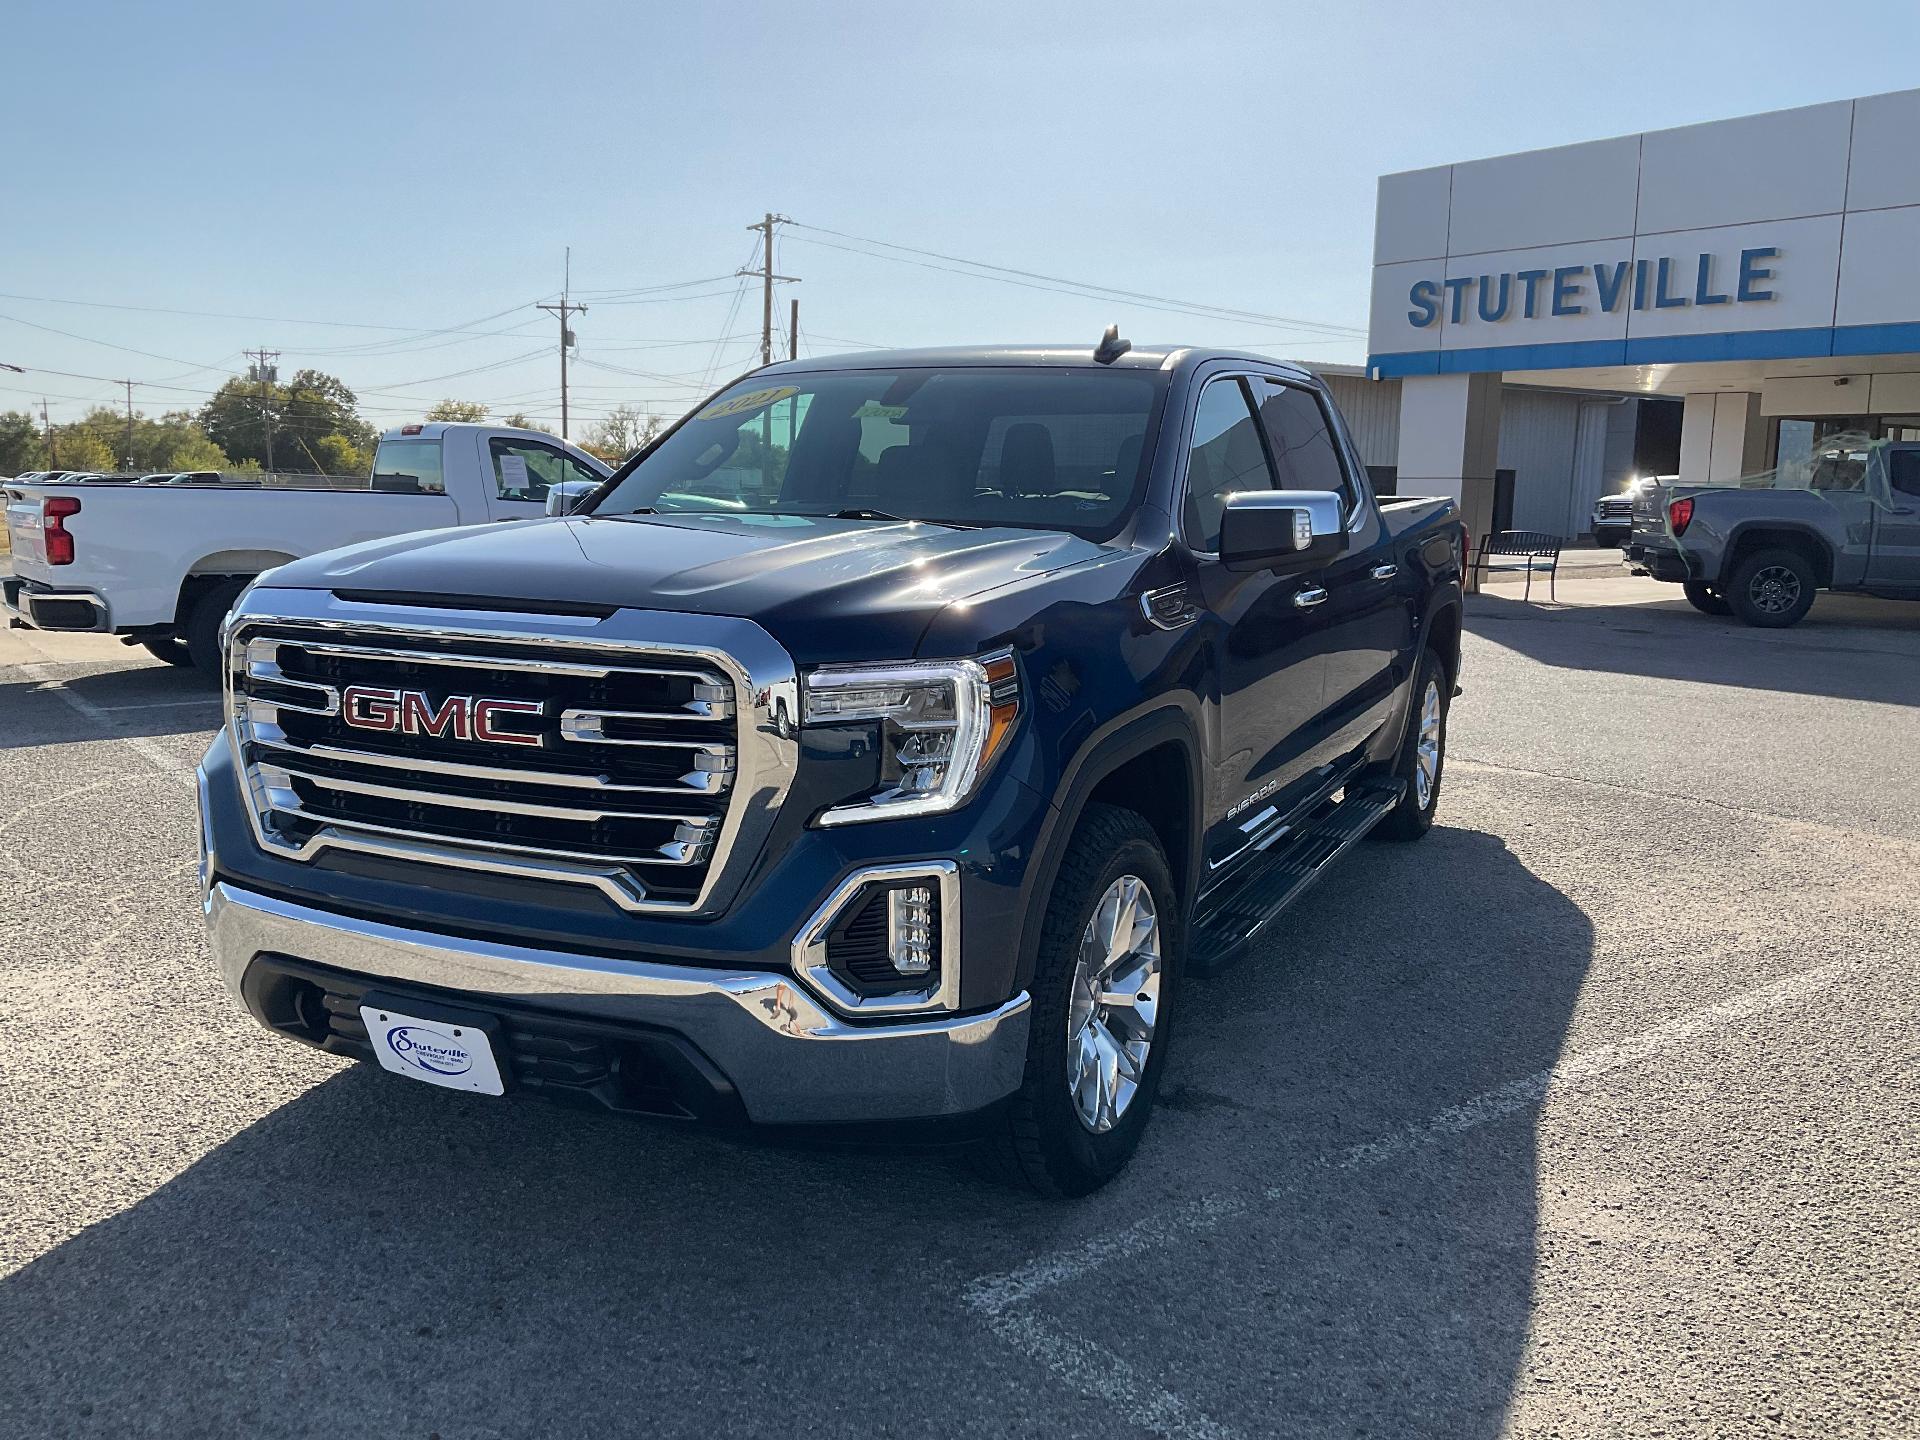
point(1039, 447)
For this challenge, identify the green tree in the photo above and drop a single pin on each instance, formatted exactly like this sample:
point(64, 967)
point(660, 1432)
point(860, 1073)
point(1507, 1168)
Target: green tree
point(518, 421)
point(173, 442)
point(300, 414)
point(467, 410)
point(340, 456)
point(20, 446)
point(79, 447)
point(192, 450)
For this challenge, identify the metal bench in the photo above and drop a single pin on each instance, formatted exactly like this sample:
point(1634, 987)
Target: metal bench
point(1528, 550)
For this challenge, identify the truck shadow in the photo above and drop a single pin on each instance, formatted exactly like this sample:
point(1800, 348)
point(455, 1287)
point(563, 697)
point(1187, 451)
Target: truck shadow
point(405, 1261)
point(135, 699)
point(1833, 652)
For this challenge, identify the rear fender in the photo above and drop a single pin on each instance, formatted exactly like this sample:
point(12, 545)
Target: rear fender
point(1751, 535)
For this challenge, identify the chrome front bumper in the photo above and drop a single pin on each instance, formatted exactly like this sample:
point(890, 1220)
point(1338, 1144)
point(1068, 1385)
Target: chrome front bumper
point(790, 1060)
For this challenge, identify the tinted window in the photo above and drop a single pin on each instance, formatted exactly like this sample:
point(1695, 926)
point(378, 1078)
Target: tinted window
point(1304, 452)
point(1040, 447)
point(1225, 457)
point(526, 470)
point(409, 466)
point(1903, 469)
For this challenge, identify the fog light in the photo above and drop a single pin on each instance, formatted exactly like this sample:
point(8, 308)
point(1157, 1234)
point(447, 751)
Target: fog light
point(910, 929)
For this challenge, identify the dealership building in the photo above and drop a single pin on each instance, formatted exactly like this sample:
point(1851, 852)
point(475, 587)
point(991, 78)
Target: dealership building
point(1762, 272)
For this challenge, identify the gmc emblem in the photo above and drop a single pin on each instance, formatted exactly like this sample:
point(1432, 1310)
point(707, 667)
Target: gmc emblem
point(458, 717)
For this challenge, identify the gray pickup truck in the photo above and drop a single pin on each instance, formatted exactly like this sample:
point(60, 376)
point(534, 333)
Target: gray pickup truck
point(1846, 518)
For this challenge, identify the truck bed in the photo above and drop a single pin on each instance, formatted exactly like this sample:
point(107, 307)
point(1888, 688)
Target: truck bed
point(133, 543)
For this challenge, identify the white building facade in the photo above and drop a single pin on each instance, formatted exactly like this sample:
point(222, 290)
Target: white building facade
point(1765, 271)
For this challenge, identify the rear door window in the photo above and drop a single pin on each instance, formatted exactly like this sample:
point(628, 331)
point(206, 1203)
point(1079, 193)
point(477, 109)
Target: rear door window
point(1903, 469)
point(1305, 454)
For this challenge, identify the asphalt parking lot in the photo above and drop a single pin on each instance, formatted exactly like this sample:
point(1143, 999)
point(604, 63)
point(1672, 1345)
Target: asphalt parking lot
point(1593, 1114)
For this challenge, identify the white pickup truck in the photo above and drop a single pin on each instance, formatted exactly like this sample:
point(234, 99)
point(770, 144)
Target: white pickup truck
point(160, 565)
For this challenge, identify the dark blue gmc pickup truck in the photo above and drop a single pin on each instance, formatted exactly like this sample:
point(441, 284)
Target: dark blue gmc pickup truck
point(879, 751)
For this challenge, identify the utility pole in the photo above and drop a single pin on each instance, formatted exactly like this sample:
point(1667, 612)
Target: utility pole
point(127, 458)
point(767, 277)
point(266, 372)
point(793, 329)
point(53, 451)
point(563, 309)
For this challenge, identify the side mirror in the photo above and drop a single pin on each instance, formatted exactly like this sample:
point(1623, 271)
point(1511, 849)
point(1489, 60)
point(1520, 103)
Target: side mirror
point(561, 498)
point(1282, 530)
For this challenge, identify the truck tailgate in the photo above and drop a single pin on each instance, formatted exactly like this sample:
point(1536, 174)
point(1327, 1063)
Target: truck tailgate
point(29, 556)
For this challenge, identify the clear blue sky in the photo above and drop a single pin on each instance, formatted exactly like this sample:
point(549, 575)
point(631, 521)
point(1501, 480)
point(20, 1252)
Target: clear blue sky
point(422, 166)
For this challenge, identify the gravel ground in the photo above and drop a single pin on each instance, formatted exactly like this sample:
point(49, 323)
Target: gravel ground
point(1592, 1114)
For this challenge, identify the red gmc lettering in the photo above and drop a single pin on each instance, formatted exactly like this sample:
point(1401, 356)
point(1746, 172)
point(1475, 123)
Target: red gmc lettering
point(458, 717)
point(367, 707)
point(484, 712)
point(449, 719)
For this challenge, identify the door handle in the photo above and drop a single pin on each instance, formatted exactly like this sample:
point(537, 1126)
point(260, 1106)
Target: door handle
point(1311, 596)
point(1385, 572)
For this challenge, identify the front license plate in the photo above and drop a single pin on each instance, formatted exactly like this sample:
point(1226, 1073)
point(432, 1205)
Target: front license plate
point(456, 1056)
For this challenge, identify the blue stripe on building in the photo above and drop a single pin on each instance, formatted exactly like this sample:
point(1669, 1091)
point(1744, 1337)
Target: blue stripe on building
point(1889, 339)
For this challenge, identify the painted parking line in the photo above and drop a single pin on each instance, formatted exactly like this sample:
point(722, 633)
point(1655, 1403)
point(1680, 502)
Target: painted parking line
point(157, 705)
point(155, 754)
point(1004, 1302)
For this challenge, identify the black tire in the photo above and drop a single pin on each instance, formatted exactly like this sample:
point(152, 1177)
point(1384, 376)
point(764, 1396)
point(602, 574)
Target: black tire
point(1705, 598)
point(202, 631)
point(1041, 1140)
point(1413, 816)
point(1773, 588)
point(170, 648)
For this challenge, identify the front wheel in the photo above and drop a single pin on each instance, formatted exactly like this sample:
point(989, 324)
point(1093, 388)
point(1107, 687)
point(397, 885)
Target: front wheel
point(1104, 983)
point(1704, 598)
point(1773, 588)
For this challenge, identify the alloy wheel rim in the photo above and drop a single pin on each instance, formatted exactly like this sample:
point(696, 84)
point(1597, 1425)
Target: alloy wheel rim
point(1114, 1004)
point(1426, 751)
point(1774, 589)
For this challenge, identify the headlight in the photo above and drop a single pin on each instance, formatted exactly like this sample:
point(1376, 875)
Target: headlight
point(942, 724)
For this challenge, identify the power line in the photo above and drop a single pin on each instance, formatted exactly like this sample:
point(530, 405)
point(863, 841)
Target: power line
point(620, 296)
point(843, 340)
point(268, 319)
point(1035, 280)
point(108, 344)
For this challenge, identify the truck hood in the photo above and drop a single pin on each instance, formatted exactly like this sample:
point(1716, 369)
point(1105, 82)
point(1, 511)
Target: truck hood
point(826, 589)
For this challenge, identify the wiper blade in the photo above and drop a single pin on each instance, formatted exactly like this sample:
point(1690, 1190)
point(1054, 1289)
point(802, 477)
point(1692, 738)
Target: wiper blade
point(862, 512)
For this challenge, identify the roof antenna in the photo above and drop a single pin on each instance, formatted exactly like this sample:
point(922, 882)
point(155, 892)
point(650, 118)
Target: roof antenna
point(1111, 346)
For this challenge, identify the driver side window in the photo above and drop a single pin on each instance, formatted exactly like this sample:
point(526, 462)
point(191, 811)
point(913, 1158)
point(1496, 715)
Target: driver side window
point(523, 470)
point(1226, 456)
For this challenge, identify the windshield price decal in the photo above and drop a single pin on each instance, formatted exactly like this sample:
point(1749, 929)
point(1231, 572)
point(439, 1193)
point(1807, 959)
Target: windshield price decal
point(746, 404)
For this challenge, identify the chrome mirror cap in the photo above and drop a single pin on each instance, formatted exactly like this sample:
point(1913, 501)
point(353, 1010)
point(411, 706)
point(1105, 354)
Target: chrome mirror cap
point(561, 498)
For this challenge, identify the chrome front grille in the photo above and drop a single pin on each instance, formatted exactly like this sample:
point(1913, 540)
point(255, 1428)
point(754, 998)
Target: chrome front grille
point(592, 758)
